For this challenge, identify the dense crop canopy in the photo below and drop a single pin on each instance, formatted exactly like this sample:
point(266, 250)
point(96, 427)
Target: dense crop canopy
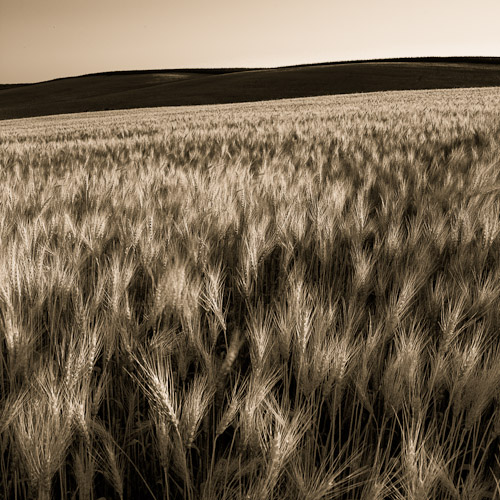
point(288, 299)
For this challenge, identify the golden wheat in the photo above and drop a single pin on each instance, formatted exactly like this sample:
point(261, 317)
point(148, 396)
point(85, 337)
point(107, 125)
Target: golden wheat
point(289, 299)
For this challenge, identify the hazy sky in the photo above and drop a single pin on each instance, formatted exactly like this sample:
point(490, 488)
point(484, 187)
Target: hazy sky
point(43, 39)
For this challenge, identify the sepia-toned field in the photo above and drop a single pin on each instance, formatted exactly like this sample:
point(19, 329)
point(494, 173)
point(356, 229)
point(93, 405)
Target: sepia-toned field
point(293, 299)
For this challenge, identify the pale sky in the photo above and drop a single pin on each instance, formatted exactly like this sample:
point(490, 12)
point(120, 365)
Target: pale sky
point(44, 39)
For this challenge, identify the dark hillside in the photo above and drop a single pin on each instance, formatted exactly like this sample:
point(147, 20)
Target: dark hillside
point(129, 89)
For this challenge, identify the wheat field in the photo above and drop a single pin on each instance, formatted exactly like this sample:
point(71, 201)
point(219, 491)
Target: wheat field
point(295, 299)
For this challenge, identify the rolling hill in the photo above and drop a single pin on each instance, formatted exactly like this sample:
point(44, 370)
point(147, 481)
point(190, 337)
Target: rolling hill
point(137, 89)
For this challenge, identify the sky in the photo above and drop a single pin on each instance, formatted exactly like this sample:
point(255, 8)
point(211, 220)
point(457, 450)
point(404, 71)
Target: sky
point(45, 39)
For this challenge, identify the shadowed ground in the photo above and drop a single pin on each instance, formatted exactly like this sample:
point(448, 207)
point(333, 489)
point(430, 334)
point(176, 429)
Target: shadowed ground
point(125, 90)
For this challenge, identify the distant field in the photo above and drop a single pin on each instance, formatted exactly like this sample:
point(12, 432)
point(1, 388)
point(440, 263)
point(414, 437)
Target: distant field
point(127, 90)
point(274, 300)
